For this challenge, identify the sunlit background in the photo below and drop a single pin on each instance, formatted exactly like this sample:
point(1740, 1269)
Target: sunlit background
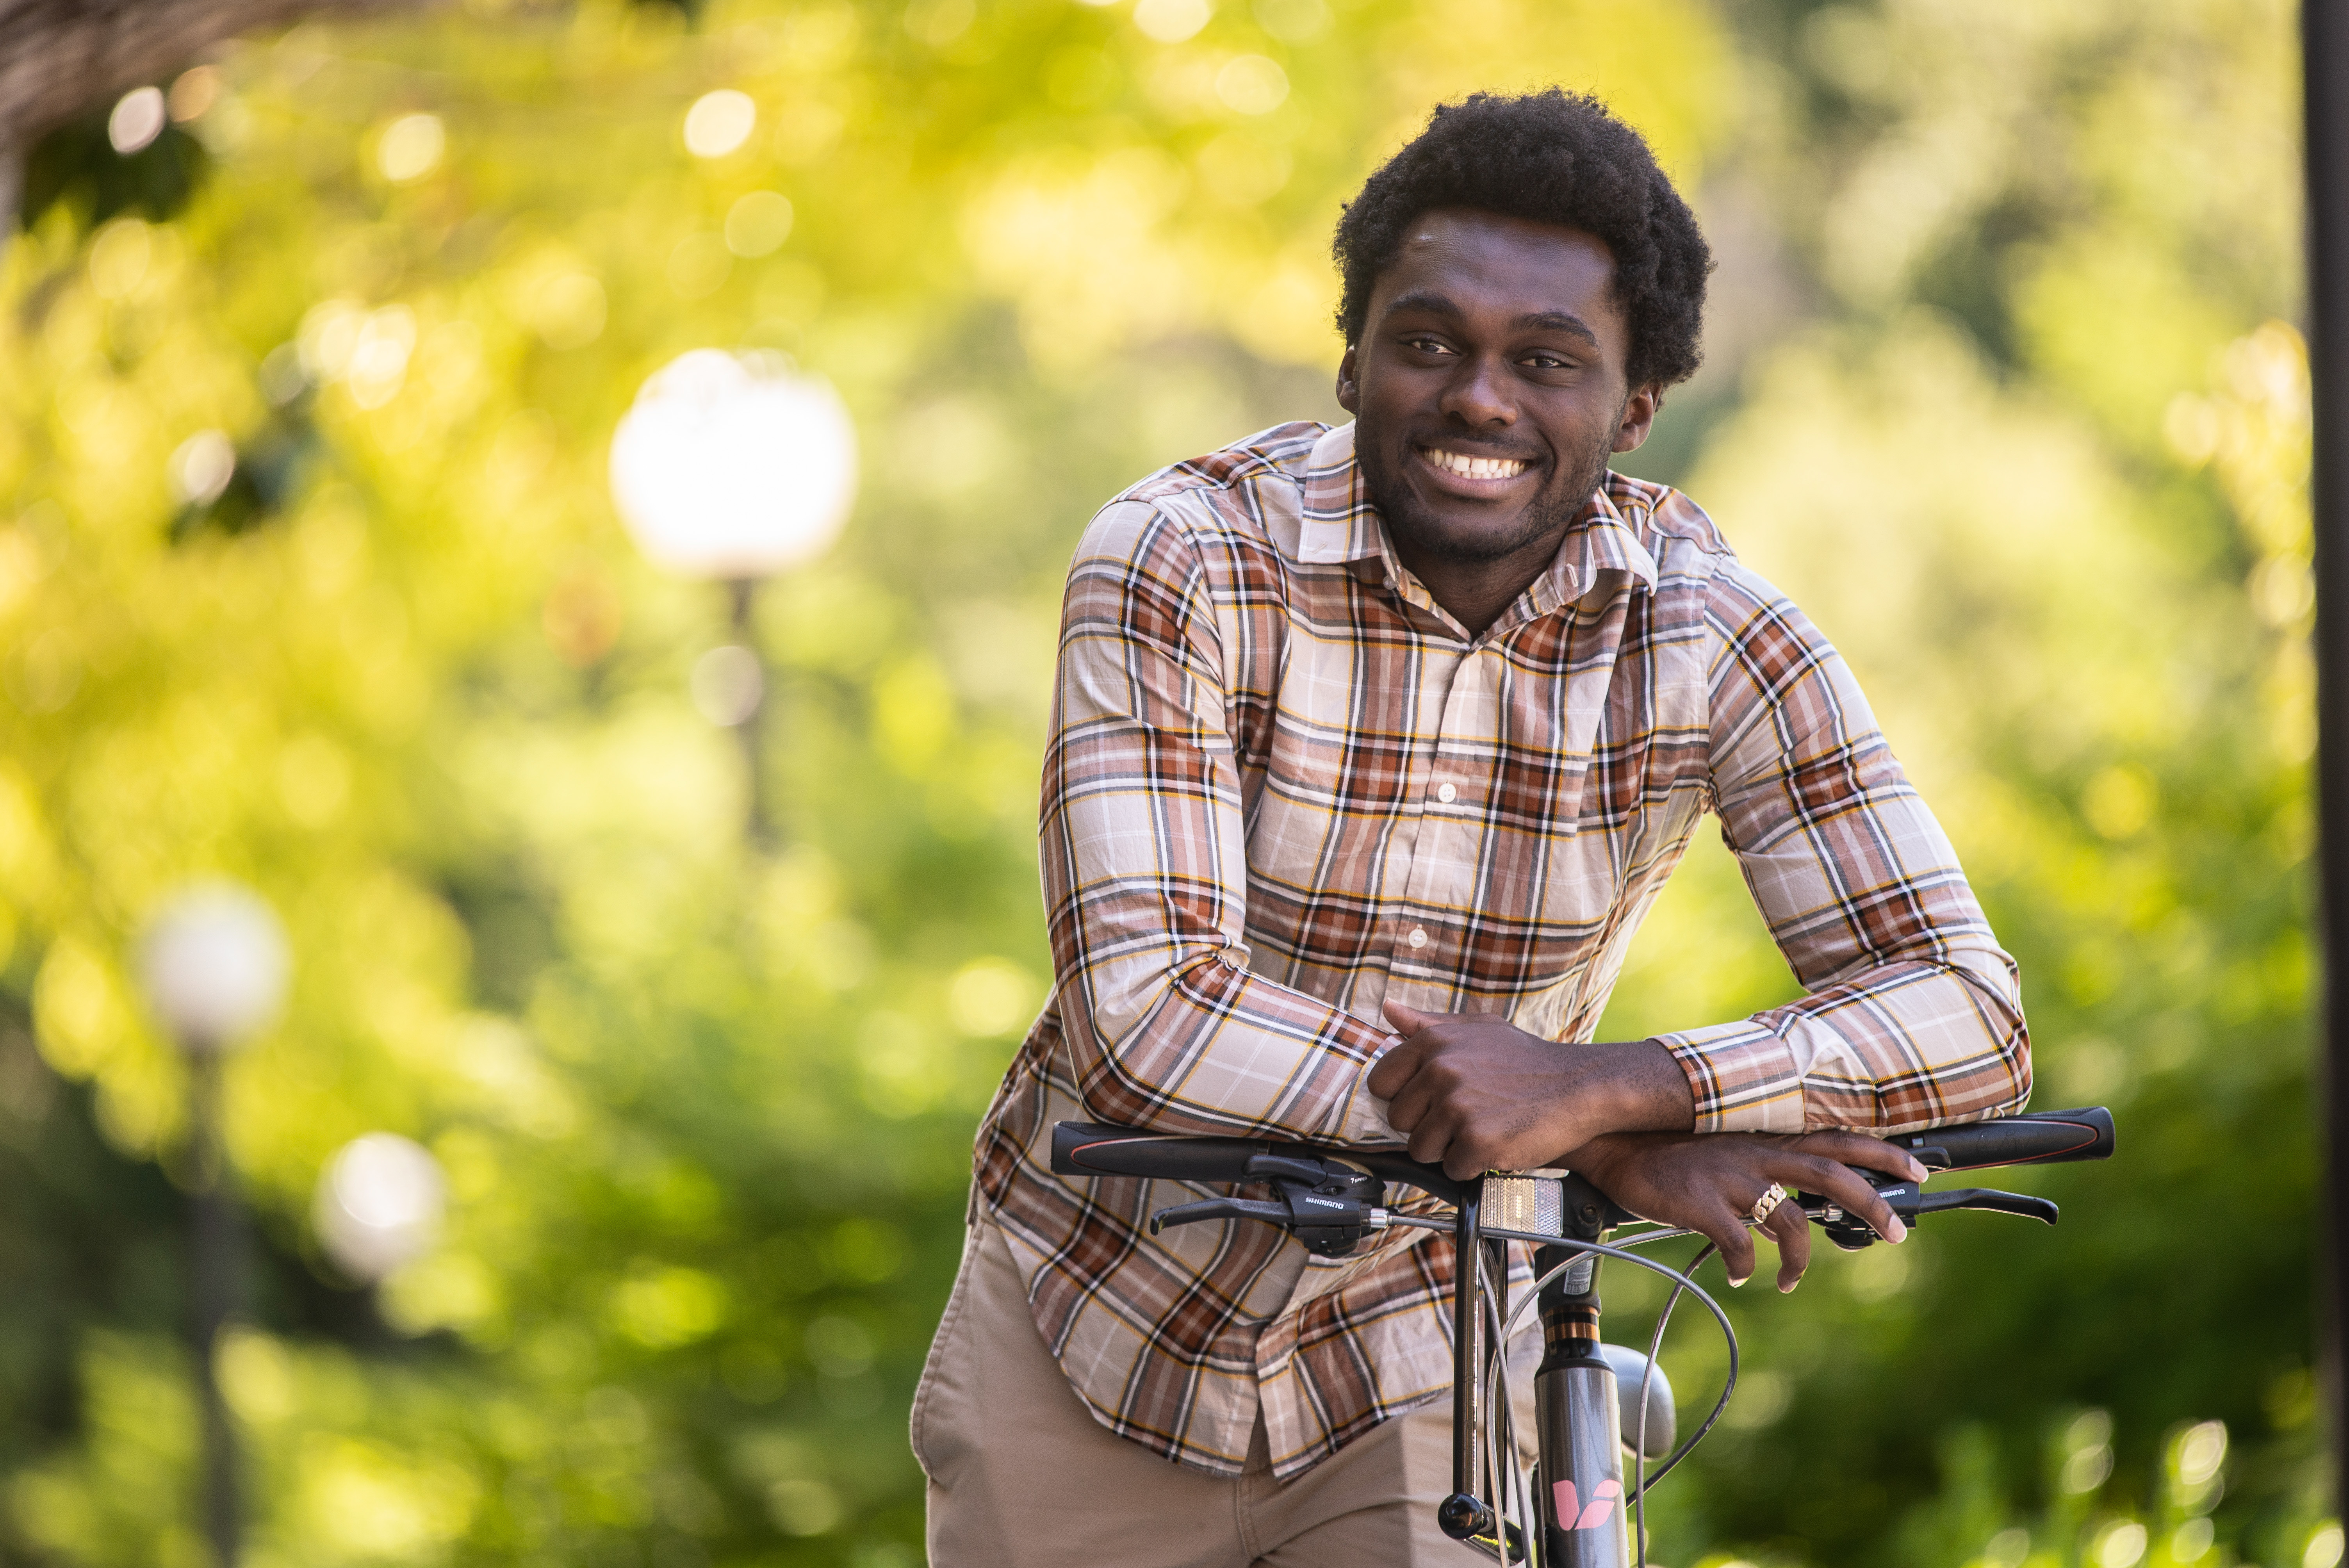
point(530, 539)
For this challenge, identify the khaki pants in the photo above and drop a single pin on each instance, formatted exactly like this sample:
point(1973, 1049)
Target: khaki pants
point(1022, 1476)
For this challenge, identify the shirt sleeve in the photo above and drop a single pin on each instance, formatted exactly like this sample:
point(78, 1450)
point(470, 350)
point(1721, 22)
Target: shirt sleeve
point(1145, 863)
point(1914, 1014)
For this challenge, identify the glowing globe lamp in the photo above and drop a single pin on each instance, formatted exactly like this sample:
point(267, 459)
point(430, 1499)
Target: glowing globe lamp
point(732, 466)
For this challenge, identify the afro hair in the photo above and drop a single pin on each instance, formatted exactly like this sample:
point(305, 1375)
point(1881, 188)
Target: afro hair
point(1551, 157)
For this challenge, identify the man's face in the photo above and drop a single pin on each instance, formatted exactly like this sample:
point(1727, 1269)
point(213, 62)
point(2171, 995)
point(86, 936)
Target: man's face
point(1488, 386)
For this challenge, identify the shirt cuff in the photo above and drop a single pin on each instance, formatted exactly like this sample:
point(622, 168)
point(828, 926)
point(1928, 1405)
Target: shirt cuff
point(1364, 1119)
point(1744, 1077)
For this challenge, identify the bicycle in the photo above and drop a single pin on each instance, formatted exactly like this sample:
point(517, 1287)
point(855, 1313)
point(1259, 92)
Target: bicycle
point(1581, 1515)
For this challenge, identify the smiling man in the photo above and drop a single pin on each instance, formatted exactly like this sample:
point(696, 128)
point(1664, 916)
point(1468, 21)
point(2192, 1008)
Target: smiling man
point(1372, 746)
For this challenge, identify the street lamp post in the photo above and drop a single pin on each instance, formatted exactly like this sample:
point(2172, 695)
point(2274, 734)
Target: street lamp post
point(214, 964)
point(732, 467)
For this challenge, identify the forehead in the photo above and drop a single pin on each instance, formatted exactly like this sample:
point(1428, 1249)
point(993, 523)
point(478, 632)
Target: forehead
point(1486, 261)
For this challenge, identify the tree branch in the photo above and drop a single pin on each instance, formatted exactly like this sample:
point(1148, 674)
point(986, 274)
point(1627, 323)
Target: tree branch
point(59, 57)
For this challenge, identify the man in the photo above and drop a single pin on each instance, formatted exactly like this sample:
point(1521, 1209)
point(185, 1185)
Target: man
point(1372, 745)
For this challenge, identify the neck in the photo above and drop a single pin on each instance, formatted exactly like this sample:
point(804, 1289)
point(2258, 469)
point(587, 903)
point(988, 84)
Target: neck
point(1475, 592)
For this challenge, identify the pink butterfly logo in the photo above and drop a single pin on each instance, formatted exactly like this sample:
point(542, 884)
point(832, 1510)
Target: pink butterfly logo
point(1569, 1506)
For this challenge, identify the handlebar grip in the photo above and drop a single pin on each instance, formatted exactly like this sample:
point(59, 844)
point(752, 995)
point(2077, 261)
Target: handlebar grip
point(1092, 1149)
point(2033, 1138)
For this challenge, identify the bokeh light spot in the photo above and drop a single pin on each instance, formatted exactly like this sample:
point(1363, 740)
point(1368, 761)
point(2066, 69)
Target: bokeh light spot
point(198, 88)
point(2120, 1544)
point(1252, 84)
point(410, 148)
point(661, 1308)
point(138, 119)
point(939, 23)
point(1171, 21)
point(759, 223)
point(2120, 801)
point(803, 1506)
point(1293, 21)
point(379, 1204)
point(567, 309)
point(719, 122)
point(118, 258)
point(582, 617)
point(728, 684)
point(201, 468)
point(991, 997)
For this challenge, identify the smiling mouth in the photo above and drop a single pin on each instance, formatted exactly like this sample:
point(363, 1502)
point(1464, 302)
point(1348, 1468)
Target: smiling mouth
point(1472, 468)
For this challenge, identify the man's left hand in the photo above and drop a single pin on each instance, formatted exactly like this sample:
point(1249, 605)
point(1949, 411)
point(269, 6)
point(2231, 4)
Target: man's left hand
point(1474, 1092)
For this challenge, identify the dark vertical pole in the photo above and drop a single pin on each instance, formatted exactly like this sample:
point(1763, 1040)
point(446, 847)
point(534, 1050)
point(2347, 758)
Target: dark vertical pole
point(219, 1272)
point(751, 728)
point(2325, 37)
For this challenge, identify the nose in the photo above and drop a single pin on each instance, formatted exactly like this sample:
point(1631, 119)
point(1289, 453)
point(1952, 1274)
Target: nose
point(1481, 395)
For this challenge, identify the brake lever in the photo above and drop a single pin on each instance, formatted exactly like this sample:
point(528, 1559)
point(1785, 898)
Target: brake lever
point(1325, 1204)
point(2018, 1204)
point(1851, 1232)
point(1220, 1209)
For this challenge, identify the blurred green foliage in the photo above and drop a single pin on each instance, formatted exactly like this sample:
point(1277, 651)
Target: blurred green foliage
point(1999, 394)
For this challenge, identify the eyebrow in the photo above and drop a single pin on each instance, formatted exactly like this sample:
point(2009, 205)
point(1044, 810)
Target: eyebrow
point(1539, 321)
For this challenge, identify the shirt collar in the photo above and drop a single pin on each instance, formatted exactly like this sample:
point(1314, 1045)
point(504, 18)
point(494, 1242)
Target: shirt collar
point(1339, 526)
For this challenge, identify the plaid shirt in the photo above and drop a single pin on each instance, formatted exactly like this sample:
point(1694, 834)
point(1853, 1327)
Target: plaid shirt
point(1283, 784)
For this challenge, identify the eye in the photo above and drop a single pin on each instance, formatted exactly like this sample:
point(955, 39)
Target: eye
point(1427, 344)
point(1543, 359)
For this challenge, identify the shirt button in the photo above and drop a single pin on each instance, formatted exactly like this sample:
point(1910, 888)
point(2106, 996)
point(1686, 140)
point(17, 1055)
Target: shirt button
point(1419, 936)
point(1446, 793)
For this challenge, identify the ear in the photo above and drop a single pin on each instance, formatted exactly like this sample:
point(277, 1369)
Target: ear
point(1640, 411)
point(1349, 390)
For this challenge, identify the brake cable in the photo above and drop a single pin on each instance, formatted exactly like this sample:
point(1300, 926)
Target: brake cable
point(1647, 1377)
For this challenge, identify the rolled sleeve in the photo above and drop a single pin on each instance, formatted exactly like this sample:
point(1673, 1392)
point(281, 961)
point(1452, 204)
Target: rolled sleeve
point(1145, 869)
point(1913, 1015)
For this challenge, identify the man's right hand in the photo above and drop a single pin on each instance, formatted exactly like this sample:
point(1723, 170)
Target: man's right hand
point(1473, 1093)
point(1710, 1181)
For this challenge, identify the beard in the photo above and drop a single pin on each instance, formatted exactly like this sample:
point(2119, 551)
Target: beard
point(1418, 531)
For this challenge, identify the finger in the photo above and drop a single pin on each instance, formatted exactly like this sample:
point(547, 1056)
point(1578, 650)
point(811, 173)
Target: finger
point(1462, 1163)
point(1849, 1190)
point(1410, 1104)
point(1393, 1069)
point(1791, 1229)
point(1431, 1136)
point(1728, 1232)
point(1408, 1021)
point(1869, 1153)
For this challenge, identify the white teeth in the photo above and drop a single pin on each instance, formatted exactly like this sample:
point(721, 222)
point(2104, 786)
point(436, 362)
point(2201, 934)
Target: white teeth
point(1474, 467)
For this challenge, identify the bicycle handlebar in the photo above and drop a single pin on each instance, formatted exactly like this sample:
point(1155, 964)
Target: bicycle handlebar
point(1326, 1189)
point(1330, 1199)
point(1096, 1149)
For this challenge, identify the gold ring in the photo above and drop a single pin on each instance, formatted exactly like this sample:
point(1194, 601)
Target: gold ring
point(1766, 1203)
